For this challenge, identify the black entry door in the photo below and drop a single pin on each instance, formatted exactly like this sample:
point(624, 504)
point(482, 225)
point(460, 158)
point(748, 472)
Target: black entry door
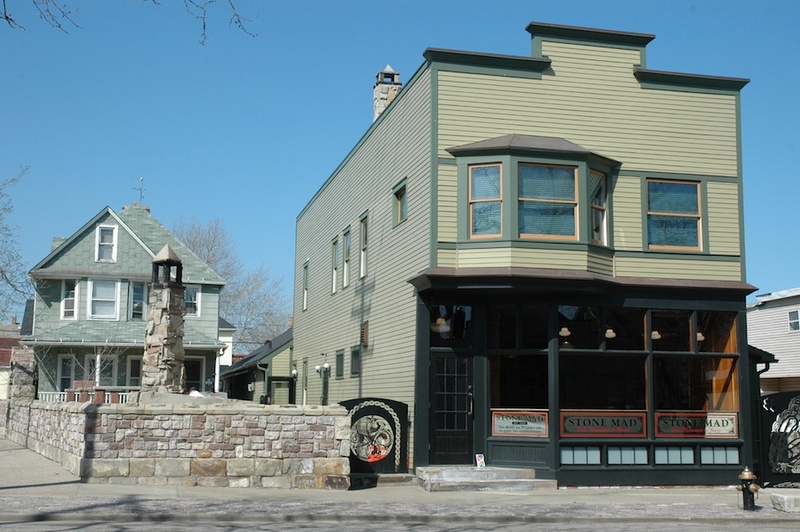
point(451, 409)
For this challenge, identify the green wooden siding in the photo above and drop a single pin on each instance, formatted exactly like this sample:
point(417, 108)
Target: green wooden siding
point(396, 148)
point(697, 269)
point(627, 213)
point(723, 218)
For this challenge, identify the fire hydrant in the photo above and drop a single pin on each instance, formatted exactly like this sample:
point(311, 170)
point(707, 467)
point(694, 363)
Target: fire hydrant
point(748, 488)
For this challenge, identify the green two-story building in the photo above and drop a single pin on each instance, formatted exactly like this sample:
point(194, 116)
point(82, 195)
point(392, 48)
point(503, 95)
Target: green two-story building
point(543, 257)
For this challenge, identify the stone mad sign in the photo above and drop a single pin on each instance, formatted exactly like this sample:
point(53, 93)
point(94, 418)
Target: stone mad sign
point(519, 423)
point(697, 425)
point(603, 424)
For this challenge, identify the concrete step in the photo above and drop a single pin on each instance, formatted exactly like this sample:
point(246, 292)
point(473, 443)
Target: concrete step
point(470, 478)
point(370, 480)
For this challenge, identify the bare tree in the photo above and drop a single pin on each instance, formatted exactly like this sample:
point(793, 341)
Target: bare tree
point(61, 15)
point(251, 300)
point(15, 287)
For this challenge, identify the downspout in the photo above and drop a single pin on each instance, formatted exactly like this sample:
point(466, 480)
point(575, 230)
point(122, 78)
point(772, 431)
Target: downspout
point(266, 388)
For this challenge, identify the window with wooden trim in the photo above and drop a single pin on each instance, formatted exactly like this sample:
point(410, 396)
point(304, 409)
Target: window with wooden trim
point(138, 300)
point(340, 364)
point(597, 186)
point(347, 243)
point(103, 299)
point(69, 299)
point(191, 300)
point(485, 201)
point(106, 243)
point(673, 215)
point(364, 241)
point(548, 205)
point(355, 361)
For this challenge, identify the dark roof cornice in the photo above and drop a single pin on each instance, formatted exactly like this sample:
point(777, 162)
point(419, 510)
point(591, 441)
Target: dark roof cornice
point(533, 64)
point(528, 144)
point(541, 29)
point(661, 77)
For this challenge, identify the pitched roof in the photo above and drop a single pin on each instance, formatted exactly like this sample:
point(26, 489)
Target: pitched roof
point(113, 333)
point(261, 352)
point(149, 233)
point(527, 144)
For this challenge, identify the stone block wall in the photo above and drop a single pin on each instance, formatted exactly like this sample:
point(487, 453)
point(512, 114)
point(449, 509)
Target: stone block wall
point(234, 444)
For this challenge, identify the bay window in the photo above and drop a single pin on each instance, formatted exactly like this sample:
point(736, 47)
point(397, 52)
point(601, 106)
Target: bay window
point(485, 201)
point(547, 201)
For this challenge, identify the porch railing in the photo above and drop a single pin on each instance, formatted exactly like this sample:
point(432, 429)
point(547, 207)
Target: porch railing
point(102, 395)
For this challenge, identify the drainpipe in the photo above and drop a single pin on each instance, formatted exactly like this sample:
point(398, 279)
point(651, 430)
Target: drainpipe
point(264, 369)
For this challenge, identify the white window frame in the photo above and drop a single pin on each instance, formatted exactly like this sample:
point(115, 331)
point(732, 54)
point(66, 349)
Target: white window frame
point(140, 358)
point(198, 299)
point(305, 286)
point(794, 321)
point(75, 301)
point(98, 243)
point(347, 243)
point(145, 300)
point(90, 299)
point(334, 265)
point(90, 360)
point(363, 238)
point(600, 208)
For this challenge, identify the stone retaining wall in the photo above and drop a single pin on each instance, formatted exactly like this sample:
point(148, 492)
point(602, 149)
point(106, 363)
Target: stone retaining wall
point(235, 443)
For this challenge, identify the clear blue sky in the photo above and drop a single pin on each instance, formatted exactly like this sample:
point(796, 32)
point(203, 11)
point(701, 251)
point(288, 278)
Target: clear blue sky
point(247, 129)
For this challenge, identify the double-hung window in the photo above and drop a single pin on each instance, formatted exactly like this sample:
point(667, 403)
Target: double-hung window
point(547, 201)
point(106, 240)
point(69, 299)
point(191, 300)
point(138, 300)
point(485, 201)
point(346, 263)
point(334, 265)
point(400, 203)
point(364, 241)
point(103, 299)
point(794, 320)
point(673, 214)
point(305, 286)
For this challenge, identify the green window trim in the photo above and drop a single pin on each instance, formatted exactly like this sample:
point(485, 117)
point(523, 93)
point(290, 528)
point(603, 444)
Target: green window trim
point(400, 202)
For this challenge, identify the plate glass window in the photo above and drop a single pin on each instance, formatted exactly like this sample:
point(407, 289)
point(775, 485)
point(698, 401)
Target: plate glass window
point(673, 215)
point(485, 203)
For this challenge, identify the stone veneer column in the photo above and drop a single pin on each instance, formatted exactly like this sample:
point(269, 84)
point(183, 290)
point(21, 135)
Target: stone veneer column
point(23, 371)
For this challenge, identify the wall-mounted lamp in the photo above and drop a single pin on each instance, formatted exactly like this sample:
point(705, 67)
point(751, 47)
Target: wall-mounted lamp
point(655, 335)
point(610, 333)
point(564, 332)
point(325, 368)
point(294, 371)
point(440, 326)
point(700, 337)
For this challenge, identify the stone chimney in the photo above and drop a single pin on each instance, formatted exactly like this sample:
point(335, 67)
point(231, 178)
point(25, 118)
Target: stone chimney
point(387, 87)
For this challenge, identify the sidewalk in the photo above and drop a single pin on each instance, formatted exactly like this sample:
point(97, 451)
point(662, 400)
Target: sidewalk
point(33, 488)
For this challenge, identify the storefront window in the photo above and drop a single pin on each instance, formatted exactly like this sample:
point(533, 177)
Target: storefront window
point(624, 329)
point(671, 330)
point(512, 327)
point(695, 383)
point(578, 327)
point(451, 325)
point(518, 381)
point(602, 382)
point(716, 332)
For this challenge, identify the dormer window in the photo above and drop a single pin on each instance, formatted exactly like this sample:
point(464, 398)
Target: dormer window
point(106, 248)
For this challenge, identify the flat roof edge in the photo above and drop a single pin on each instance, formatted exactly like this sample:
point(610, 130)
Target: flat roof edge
point(542, 29)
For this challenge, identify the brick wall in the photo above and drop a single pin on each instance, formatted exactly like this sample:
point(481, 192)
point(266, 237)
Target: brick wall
point(235, 444)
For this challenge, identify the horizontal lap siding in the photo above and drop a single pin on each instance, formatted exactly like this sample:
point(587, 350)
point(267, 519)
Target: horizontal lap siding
point(398, 148)
point(723, 218)
point(697, 269)
point(521, 258)
point(447, 203)
point(768, 329)
point(594, 100)
point(627, 213)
